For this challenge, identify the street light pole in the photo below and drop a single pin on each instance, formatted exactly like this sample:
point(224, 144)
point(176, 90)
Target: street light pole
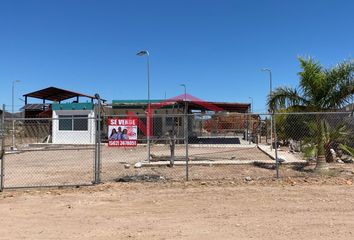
point(271, 116)
point(185, 91)
point(251, 104)
point(146, 53)
point(13, 113)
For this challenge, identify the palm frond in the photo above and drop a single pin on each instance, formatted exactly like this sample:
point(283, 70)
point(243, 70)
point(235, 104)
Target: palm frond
point(347, 149)
point(285, 97)
point(312, 79)
point(340, 85)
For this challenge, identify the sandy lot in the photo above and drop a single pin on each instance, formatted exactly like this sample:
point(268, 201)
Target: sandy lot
point(312, 209)
point(218, 204)
point(71, 165)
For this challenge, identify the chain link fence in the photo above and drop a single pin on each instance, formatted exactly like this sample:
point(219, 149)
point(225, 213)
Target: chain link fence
point(308, 136)
point(44, 151)
point(160, 154)
point(81, 150)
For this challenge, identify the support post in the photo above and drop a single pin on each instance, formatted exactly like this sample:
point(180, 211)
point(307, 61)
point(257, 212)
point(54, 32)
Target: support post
point(275, 146)
point(95, 165)
point(186, 133)
point(97, 177)
point(148, 122)
point(2, 148)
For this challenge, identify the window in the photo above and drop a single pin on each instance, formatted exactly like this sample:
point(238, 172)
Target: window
point(65, 123)
point(169, 121)
point(80, 123)
point(177, 121)
point(73, 122)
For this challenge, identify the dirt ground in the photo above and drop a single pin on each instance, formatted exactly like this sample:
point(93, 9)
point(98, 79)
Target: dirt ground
point(74, 166)
point(311, 207)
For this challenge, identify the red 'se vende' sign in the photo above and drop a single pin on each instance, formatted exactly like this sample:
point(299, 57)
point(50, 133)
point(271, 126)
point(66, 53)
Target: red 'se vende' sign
point(122, 132)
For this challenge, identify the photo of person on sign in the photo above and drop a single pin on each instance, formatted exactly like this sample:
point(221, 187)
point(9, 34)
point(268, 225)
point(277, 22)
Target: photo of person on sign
point(116, 134)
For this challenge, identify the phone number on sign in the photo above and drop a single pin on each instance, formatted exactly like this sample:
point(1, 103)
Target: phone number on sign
point(121, 143)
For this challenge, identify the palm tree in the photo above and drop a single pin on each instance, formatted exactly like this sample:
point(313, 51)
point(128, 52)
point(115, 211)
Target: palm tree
point(319, 90)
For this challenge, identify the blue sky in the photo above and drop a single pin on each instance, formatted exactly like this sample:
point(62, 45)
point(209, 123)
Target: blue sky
point(216, 48)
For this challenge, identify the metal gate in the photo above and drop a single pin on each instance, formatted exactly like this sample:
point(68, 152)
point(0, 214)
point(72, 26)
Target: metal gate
point(31, 159)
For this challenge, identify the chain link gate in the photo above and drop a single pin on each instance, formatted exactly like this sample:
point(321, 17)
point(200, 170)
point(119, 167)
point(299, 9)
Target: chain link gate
point(39, 157)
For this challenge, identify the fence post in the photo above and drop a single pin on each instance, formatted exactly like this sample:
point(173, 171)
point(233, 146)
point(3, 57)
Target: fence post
point(97, 178)
point(99, 140)
point(2, 148)
point(95, 157)
point(275, 145)
point(186, 132)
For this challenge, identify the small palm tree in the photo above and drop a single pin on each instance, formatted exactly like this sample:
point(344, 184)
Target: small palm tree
point(319, 90)
point(333, 134)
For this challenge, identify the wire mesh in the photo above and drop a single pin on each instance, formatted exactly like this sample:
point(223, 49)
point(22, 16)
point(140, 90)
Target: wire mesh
point(158, 151)
point(310, 140)
point(49, 152)
point(221, 144)
point(64, 151)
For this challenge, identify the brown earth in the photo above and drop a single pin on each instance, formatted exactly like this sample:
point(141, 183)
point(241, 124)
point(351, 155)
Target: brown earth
point(310, 207)
point(74, 166)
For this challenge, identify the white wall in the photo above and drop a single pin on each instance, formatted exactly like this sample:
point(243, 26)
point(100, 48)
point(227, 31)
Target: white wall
point(73, 137)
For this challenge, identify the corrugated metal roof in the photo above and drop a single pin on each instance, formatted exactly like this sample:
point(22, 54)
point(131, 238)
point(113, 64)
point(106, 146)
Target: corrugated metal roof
point(144, 101)
point(34, 106)
point(56, 94)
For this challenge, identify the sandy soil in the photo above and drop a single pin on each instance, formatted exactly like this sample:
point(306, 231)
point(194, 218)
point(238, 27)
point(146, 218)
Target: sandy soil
point(315, 208)
point(75, 166)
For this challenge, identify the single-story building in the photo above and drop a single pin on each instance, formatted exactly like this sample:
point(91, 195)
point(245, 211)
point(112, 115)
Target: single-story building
point(69, 120)
point(167, 115)
point(73, 123)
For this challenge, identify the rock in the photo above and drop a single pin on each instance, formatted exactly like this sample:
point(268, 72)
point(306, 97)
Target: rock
point(333, 153)
point(138, 165)
point(203, 183)
point(126, 166)
point(141, 178)
point(248, 179)
point(346, 159)
point(291, 181)
point(339, 161)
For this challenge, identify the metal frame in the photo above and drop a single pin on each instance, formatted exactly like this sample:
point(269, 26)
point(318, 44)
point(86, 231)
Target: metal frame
point(2, 150)
point(95, 148)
